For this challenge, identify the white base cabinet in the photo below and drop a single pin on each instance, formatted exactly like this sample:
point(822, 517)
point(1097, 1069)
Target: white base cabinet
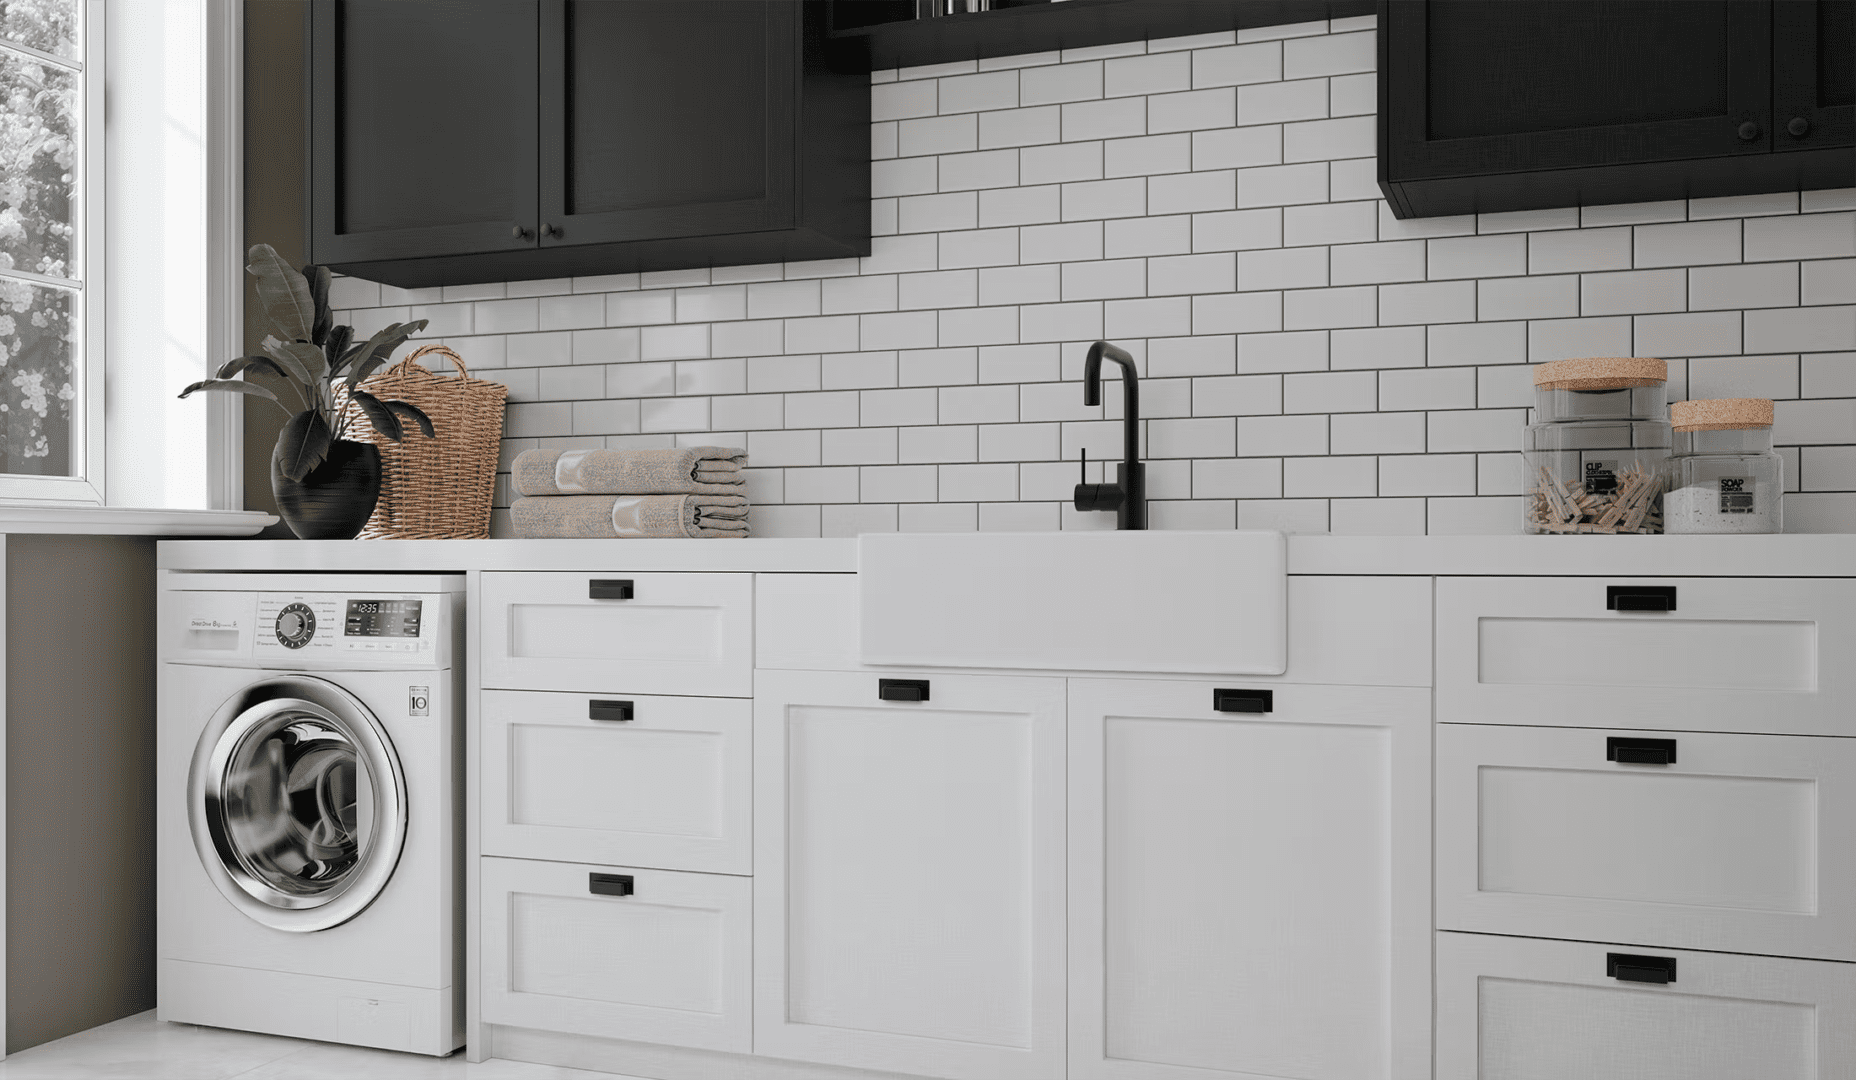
point(667, 963)
point(1531, 1009)
point(1249, 892)
point(909, 881)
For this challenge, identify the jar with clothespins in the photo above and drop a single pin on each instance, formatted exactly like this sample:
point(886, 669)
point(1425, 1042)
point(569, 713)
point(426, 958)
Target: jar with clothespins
point(1595, 452)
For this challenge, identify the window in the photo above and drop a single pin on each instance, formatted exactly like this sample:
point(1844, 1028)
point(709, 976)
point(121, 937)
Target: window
point(50, 250)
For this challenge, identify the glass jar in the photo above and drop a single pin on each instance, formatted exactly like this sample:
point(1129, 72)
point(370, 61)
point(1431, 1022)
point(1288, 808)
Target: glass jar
point(1724, 477)
point(1595, 452)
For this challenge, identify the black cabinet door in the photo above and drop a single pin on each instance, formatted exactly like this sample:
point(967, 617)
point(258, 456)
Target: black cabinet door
point(423, 128)
point(1813, 67)
point(666, 119)
point(1479, 88)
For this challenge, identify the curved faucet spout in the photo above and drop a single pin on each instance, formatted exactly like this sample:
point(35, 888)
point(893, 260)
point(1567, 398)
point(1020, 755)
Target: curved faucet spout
point(1127, 497)
point(1130, 393)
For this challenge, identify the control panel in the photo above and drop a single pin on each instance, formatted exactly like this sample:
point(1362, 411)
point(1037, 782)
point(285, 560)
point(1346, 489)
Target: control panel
point(328, 625)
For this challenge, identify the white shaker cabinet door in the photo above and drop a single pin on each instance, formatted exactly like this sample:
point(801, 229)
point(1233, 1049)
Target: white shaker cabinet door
point(908, 897)
point(1249, 891)
point(1532, 1009)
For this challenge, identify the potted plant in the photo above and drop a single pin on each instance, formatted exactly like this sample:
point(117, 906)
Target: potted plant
point(326, 486)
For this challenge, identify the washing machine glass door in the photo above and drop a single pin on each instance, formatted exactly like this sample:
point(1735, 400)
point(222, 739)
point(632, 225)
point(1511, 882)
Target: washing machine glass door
point(298, 803)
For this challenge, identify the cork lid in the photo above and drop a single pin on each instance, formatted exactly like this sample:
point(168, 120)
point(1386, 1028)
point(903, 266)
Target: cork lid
point(1721, 414)
point(1600, 373)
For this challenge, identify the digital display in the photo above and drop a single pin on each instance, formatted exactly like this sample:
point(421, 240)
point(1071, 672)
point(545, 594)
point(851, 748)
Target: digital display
point(382, 618)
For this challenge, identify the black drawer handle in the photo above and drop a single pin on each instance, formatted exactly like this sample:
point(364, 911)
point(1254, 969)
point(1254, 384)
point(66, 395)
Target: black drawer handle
point(1640, 969)
point(1640, 751)
point(1640, 598)
point(608, 710)
point(619, 589)
point(1254, 701)
point(902, 689)
point(609, 884)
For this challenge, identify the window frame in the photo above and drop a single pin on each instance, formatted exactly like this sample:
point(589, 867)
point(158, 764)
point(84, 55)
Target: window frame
point(89, 440)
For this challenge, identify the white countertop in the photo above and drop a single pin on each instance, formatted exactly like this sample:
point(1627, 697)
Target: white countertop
point(1813, 555)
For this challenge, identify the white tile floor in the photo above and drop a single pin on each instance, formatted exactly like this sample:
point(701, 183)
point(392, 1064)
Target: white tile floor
point(142, 1048)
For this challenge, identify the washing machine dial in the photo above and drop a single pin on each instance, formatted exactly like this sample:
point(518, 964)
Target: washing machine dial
point(296, 624)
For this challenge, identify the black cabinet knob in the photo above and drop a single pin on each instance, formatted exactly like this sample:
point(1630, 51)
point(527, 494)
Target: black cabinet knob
point(517, 232)
point(1749, 131)
point(608, 710)
point(1627, 967)
point(1799, 127)
point(551, 230)
point(610, 884)
point(902, 689)
point(610, 589)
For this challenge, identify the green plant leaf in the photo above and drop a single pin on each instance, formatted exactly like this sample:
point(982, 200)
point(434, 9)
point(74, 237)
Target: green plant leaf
point(275, 349)
point(378, 414)
point(233, 367)
point(236, 386)
point(336, 347)
point(283, 292)
point(303, 444)
point(318, 278)
point(414, 413)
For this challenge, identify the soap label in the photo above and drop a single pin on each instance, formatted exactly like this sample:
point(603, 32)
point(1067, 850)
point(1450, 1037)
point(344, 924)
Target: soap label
point(1737, 495)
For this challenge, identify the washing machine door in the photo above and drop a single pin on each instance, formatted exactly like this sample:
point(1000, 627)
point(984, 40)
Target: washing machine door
point(297, 803)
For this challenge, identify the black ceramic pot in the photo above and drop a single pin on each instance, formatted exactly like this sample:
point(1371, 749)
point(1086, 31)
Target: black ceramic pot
point(337, 497)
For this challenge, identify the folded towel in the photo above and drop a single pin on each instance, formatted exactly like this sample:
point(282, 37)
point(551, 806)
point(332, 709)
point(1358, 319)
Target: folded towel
point(688, 470)
point(630, 516)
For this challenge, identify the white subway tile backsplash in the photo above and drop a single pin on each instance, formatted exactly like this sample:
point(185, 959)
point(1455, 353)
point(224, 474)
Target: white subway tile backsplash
point(1433, 302)
point(1325, 140)
point(1237, 147)
point(1688, 244)
point(1807, 236)
point(1194, 110)
point(1808, 329)
point(1830, 281)
point(980, 247)
point(1020, 127)
point(1149, 74)
point(1060, 163)
point(1478, 256)
point(1633, 292)
point(1282, 185)
point(1185, 193)
point(1211, 204)
point(1281, 102)
point(1114, 118)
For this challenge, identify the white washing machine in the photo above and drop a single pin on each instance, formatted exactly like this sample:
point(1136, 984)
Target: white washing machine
point(309, 786)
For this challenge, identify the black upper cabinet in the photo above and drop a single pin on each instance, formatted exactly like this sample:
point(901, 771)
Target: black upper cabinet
point(573, 137)
point(1517, 106)
point(422, 128)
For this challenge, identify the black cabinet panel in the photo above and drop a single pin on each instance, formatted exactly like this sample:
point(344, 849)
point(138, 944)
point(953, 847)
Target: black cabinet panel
point(1814, 73)
point(651, 131)
point(457, 141)
point(1488, 107)
point(423, 130)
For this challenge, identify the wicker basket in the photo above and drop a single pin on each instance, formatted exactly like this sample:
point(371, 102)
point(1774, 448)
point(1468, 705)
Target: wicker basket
point(434, 488)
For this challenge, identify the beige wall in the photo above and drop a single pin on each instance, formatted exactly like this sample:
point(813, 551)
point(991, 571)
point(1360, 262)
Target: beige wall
point(80, 783)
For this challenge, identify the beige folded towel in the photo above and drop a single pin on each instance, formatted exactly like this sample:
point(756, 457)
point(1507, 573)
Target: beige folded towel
point(630, 516)
point(697, 470)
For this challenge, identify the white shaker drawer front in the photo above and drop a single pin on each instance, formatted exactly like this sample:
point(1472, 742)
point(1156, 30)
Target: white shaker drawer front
point(620, 952)
point(619, 631)
point(1732, 654)
point(1744, 843)
point(643, 781)
point(1528, 1009)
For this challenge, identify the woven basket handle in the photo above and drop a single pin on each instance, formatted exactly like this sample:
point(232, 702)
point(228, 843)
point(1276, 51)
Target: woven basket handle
point(456, 361)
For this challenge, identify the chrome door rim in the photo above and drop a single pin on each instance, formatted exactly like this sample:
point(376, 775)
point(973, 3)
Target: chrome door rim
point(269, 706)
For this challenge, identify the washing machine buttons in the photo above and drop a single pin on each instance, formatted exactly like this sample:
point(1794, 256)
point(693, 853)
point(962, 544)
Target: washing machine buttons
point(296, 624)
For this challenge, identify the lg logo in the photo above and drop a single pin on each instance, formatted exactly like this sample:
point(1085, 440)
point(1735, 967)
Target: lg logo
point(419, 701)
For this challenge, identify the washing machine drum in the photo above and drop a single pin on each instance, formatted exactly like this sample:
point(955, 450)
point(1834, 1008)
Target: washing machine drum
point(297, 803)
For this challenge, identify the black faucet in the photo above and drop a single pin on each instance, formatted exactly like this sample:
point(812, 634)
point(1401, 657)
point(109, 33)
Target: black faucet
point(1128, 496)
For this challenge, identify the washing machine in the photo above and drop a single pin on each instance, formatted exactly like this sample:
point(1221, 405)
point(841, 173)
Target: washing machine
point(309, 813)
